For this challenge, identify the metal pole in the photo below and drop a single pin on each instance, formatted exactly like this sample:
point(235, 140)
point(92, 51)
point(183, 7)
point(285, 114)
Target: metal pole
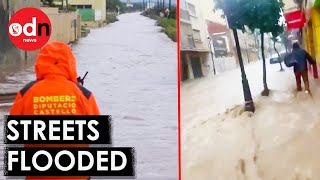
point(75, 30)
point(213, 66)
point(249, 105)
point(143, 5)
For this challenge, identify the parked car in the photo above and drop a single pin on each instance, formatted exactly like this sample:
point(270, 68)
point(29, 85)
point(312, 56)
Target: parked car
point(275, 58)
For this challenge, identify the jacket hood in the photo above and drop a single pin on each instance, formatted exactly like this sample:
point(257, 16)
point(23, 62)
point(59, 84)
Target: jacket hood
point(56, 59)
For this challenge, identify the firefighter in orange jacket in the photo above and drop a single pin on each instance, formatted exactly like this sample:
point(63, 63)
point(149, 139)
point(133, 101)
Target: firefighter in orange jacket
point(55, 92)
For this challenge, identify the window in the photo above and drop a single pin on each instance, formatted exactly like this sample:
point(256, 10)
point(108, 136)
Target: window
point(183, 4)
point(83, 6)
point(191, 42)
point(196, 35)
point(88, 6)
point(184, 15)
point(192, 9)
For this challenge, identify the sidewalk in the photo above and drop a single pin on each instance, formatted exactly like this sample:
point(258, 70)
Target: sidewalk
point(13, 81)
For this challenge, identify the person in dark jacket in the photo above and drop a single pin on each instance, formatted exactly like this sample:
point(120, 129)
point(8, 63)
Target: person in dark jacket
point(301, 67)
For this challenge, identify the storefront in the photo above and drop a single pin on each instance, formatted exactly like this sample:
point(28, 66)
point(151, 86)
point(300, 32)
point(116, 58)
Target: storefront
point(304, 26)
point(311, 29)
point(194, 64)
point(295, 21)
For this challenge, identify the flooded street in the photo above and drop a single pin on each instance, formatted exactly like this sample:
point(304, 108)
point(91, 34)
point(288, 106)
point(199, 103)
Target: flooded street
point(278, 141)
point(132, 74)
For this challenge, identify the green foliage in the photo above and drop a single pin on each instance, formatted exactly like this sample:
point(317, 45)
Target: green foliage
point(71, 8)
point(48, 2)
point(164, 22)
point(254, 14)
point(169, 27)
point(173, 13)
point(234, 12)
point(265, 15)
point(277, 31)
point(171, 31)
point(262, 15)
point(111, 18)
point(113, 4)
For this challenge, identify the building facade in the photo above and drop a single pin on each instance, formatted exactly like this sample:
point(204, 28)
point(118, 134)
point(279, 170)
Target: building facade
point(207, 44)
point(9, 54)
point(93, 13)
point(194, 44)
point(303, 23)
point(311, 29)
point(65, 25)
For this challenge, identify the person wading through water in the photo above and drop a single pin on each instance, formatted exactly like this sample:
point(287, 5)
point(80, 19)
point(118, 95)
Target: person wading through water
point(300, 67)
point(56, 91)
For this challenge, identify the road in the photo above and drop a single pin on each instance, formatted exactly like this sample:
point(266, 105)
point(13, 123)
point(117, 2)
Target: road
point(132, 73)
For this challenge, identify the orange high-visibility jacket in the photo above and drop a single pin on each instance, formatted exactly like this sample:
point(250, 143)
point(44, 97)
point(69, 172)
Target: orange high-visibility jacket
point(55, 92)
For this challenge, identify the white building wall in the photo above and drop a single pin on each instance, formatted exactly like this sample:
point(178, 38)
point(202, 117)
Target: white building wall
point(198, 22)
point(289, 6)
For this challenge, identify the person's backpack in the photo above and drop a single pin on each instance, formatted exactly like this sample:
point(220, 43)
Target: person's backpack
point(289, 60)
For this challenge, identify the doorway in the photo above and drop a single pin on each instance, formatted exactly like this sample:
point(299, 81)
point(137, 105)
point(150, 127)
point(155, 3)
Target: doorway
point(196, 67)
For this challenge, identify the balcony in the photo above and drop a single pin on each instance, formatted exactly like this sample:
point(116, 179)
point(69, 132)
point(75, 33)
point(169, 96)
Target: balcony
point(184, 16)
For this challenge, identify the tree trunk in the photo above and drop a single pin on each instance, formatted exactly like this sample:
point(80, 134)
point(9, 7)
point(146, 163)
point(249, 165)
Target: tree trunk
point(257, 43)
point(170, 5)
point(143, 5)
point(259, 49)
point(249, 105)
point(163, 5)
point(265, 91)
point(274, 46)
point(286, 46)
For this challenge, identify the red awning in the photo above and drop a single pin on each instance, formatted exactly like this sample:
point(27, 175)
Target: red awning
point(295, 19)
point(214, 27)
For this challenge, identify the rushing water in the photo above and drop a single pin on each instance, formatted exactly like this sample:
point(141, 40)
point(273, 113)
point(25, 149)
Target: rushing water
point(132, 73)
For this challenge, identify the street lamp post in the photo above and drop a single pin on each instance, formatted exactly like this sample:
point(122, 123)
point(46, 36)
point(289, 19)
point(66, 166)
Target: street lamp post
point(249, 105)
point(211, 51)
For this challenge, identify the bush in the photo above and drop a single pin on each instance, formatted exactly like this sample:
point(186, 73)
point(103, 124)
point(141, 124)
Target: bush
point(173, 13)
point(111, 18)
point(169, 27)
point(171, 32)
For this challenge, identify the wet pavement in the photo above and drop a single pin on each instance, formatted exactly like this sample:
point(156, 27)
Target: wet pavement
point(132, 73)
